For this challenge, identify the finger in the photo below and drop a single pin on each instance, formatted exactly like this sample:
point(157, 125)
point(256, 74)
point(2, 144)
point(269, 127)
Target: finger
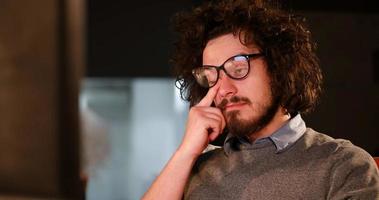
point(223, 123)
point(214, 117)
point(213, 135)
point(216, 111)
point(216, 130)
point(209, 97)
point(214, 127)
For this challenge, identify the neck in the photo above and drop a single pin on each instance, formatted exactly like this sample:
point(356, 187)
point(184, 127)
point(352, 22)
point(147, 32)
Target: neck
point(279, 119)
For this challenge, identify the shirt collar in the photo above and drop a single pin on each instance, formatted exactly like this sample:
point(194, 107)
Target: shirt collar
point(283, 138)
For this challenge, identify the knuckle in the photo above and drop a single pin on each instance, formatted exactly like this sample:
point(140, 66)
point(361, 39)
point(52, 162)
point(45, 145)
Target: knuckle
point(194, 110)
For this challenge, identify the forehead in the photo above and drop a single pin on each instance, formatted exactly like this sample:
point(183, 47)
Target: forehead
point(223, 47)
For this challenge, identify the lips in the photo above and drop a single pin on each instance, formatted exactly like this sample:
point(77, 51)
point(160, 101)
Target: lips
point(234, 105)
point(234, 102)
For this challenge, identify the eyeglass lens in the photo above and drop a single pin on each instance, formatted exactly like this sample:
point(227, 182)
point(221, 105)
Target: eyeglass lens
point(236, 67)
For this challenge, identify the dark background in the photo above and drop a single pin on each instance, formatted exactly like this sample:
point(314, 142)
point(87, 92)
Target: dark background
point(127, 40)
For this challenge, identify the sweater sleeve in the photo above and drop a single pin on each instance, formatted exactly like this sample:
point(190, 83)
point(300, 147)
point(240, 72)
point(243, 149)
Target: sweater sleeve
point(354, 175)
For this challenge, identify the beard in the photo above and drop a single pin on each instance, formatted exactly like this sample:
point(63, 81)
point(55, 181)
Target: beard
point(246, 127)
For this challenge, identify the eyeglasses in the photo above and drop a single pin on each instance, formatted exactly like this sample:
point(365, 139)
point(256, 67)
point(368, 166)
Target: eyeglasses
point(236, 67)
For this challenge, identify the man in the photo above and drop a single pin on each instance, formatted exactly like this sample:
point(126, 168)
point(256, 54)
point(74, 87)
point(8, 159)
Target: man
point(250, 70)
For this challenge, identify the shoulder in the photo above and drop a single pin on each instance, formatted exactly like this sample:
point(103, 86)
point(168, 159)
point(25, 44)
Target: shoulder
point(341, 155)
point(335, 154)
point(315, 141)
point(352, 171)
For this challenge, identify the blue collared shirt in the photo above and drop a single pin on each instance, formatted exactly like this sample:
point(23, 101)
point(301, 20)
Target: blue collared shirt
point(283, 138)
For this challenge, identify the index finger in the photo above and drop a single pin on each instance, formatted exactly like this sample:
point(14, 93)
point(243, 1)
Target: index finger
point(209, 97)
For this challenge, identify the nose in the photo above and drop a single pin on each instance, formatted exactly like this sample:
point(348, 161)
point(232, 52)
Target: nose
point(227, 88)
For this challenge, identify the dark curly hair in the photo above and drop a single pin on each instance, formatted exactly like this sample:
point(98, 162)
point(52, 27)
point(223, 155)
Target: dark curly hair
point(283, 38)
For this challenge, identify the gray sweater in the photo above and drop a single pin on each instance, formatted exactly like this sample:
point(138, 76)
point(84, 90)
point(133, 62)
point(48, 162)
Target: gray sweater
point(315, 167)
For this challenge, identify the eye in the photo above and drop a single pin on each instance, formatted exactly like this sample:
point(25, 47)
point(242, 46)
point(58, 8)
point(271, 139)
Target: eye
point(240, 71)
point(209, 75)
point(237, 67)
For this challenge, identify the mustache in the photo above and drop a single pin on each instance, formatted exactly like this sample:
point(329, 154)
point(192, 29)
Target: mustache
point(234, 99)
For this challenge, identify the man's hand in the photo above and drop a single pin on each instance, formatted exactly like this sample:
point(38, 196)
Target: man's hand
point(205, 124)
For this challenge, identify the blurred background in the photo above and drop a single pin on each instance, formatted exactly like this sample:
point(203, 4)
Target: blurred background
point(88, 105)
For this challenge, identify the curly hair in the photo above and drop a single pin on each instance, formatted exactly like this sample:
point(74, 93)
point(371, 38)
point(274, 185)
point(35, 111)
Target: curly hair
point(284, 39)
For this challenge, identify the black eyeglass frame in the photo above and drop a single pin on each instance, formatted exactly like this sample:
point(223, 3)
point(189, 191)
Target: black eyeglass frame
point(221, 67)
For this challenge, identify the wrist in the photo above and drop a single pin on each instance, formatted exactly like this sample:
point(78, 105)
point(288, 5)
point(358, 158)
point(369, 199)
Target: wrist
point(187, 153)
